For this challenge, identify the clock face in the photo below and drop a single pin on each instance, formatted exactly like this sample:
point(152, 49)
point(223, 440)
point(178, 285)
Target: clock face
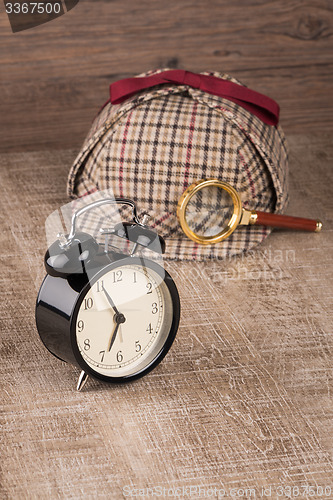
point(124, 320)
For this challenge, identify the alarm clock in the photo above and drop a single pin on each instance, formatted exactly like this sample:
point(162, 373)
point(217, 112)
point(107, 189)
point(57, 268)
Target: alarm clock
point(110, 313)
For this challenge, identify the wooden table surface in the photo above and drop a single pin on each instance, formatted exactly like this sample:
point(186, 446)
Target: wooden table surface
point(243, 401)
point(55, 77)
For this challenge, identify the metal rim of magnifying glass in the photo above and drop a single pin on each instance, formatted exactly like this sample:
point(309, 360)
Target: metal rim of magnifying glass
point(233, 222)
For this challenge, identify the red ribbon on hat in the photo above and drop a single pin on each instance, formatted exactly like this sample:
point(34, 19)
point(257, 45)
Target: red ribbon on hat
point(265, 108)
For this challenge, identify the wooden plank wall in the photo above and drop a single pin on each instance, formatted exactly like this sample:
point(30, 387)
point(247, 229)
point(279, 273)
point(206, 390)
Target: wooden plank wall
point(55, 77)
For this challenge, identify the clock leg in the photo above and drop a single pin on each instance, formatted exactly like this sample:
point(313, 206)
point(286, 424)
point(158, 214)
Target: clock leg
point(82, 380)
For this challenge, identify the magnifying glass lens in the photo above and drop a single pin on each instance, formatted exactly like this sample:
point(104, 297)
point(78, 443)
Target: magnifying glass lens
point(209, 211)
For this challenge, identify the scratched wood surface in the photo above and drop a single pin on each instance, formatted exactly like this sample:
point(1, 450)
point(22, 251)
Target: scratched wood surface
point(242, 401)
point(54, 78)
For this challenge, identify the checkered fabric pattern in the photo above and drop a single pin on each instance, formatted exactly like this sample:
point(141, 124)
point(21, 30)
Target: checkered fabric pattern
point(155, 144)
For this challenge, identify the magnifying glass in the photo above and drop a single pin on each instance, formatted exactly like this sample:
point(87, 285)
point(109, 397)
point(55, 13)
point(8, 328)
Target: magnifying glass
point(210, 210)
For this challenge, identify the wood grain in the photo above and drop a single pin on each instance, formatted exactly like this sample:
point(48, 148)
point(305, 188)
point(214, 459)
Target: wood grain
point(244, 398)
point(55, 77)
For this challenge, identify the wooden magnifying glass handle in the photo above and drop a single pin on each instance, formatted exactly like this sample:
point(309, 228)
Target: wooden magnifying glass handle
point(285, 221)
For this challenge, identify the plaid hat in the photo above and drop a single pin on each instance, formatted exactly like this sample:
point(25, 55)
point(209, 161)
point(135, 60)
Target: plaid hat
point(159, 140)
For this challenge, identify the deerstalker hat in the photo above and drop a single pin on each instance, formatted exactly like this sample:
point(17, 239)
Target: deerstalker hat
point(150, 142)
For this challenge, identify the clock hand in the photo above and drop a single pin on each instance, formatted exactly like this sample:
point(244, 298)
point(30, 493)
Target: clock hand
point(111, 302)
point(118, 319)
point(113, 337)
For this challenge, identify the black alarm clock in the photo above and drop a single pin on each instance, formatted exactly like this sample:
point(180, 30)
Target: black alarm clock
point(113, 314)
